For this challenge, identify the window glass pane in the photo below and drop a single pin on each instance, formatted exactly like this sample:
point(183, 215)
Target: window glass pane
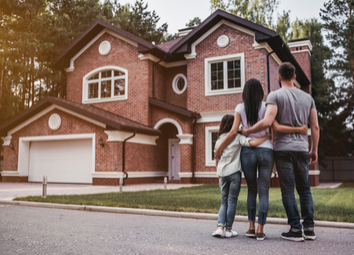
point(105, 89)
point(118, 73)
point(217, 76)
point(93, 90)
point(180, 83)
point(106, 74)
point(230, 65)
point(119, 87)
point(237, 63)
point(230, 74)
point(214, 137)
point(237, 83)
point(237, 73)
point(231, 83)
point(94, 77)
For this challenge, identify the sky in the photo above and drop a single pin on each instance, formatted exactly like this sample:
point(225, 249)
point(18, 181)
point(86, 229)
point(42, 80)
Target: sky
point(178, 12)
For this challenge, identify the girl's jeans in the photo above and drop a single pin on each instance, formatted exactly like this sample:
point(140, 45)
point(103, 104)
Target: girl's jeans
point(230, 188)
point(251, 158)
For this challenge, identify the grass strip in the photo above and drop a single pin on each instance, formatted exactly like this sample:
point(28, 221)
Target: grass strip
point(330, 204)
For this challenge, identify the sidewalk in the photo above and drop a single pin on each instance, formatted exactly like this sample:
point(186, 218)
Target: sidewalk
point(8, 191)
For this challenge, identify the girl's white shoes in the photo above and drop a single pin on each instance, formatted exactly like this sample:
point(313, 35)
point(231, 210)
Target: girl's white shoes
point(221, 233)
point(230, 234)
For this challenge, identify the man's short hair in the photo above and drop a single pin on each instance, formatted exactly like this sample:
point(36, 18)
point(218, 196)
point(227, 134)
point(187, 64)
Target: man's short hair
point(286, 71)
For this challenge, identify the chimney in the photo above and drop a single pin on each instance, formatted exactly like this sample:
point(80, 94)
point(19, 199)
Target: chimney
point(301, 50)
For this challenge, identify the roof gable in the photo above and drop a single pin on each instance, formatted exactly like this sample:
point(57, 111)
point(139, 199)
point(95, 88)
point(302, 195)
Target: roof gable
point(96, 115)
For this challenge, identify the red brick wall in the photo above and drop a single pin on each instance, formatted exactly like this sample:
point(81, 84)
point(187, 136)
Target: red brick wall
point(124, 55)
point(304, 60)
point(255, 67)
point(171, 96)
point(106, 159)
point(160, 82)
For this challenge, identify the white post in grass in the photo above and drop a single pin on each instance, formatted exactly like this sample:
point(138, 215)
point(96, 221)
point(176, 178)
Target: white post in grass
point(44, 193)
point(165, 182)
point(121, 184)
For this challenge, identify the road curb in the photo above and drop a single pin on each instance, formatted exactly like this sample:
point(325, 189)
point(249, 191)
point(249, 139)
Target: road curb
point(149, 212)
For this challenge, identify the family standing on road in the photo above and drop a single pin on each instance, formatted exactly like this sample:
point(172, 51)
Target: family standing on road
point(289, 111)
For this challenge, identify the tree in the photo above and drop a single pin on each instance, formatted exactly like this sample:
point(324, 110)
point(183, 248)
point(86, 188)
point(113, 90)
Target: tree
point(194, 22)
point(338, 17)
point(137, 20)
point(257, 11)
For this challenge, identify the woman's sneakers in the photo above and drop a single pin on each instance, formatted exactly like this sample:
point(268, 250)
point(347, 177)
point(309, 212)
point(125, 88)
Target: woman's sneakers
point(260, 236)
point(250, 233)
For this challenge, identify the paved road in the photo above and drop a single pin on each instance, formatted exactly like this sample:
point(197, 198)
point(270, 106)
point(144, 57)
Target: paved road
point(29, 230)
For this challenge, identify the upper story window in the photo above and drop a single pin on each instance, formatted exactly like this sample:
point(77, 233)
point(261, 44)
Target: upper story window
point(224, 74)
point(179, 83)
point(108, 83)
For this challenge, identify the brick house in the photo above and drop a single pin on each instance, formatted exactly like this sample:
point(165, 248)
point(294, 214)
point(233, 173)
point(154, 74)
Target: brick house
point(143, 112)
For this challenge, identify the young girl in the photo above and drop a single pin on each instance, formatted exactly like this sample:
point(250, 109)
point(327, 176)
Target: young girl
point(229, 173)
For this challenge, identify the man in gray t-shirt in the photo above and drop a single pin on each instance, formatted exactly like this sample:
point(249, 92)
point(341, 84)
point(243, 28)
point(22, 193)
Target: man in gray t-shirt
point(292, 107)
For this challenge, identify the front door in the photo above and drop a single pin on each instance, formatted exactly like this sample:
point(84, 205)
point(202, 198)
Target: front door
point(174, 159)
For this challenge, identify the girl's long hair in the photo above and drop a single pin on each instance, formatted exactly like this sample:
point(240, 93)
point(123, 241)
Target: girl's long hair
point(252, 97)
point(226, 124)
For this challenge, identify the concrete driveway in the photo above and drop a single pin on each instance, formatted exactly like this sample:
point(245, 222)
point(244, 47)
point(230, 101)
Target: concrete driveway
point(9, 191)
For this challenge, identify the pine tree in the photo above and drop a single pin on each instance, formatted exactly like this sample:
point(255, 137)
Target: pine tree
point(338, 17)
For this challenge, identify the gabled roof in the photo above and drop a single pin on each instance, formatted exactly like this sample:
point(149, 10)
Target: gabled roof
point(112, 121)
point(175, 109)
point(63, 60)
point(176, 49)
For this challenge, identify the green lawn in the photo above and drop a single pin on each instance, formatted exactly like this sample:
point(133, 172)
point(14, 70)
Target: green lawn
point(330, 204)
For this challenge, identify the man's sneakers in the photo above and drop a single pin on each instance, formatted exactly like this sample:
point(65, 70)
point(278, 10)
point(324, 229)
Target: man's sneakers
point(219, 233)
point(260, 236)
point(309, 235)
point(293, 236)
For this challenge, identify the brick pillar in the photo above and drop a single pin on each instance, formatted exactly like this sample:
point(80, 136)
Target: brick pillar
point(186, 163)
point(301, 50)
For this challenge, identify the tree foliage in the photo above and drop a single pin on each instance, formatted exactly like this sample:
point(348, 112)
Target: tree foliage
point(34, 32)
point(338, 18)
point(194, 22)
point(257, 11)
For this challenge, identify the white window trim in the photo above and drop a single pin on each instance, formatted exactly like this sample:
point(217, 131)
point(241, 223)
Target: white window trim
point(225, 58)
point(85, 83)
point(174, 83)
point(208, 158)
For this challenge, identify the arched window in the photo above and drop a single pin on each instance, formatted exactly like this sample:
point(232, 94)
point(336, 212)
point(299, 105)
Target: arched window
point(108, 83)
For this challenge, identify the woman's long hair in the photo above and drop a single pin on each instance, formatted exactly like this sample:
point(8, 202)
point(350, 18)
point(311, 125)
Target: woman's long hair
point(252, 97)
point(226, 124)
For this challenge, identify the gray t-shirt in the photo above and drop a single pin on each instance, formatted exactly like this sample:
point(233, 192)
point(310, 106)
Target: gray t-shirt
point(294, 106)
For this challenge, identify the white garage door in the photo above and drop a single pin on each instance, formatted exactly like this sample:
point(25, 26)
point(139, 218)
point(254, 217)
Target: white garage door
point(63, 161)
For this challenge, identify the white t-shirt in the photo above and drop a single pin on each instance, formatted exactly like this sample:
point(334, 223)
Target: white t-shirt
point(240, 108)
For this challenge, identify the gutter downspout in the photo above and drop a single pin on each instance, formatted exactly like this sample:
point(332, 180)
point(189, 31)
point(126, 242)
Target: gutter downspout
point(123, 159)
point(268, 70)
point(193, 150)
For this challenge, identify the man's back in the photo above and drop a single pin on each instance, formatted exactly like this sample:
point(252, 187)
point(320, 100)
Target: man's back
point(294, 106)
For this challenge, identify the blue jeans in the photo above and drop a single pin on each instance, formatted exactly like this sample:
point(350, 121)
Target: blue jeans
point(230, 188)
point(251, 159)
point(293, 169)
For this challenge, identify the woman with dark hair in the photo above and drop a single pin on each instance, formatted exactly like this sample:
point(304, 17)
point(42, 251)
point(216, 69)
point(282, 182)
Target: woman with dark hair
point(249, 113)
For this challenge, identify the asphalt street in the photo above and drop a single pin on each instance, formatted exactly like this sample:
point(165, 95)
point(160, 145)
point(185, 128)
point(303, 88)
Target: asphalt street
point(32, 230)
